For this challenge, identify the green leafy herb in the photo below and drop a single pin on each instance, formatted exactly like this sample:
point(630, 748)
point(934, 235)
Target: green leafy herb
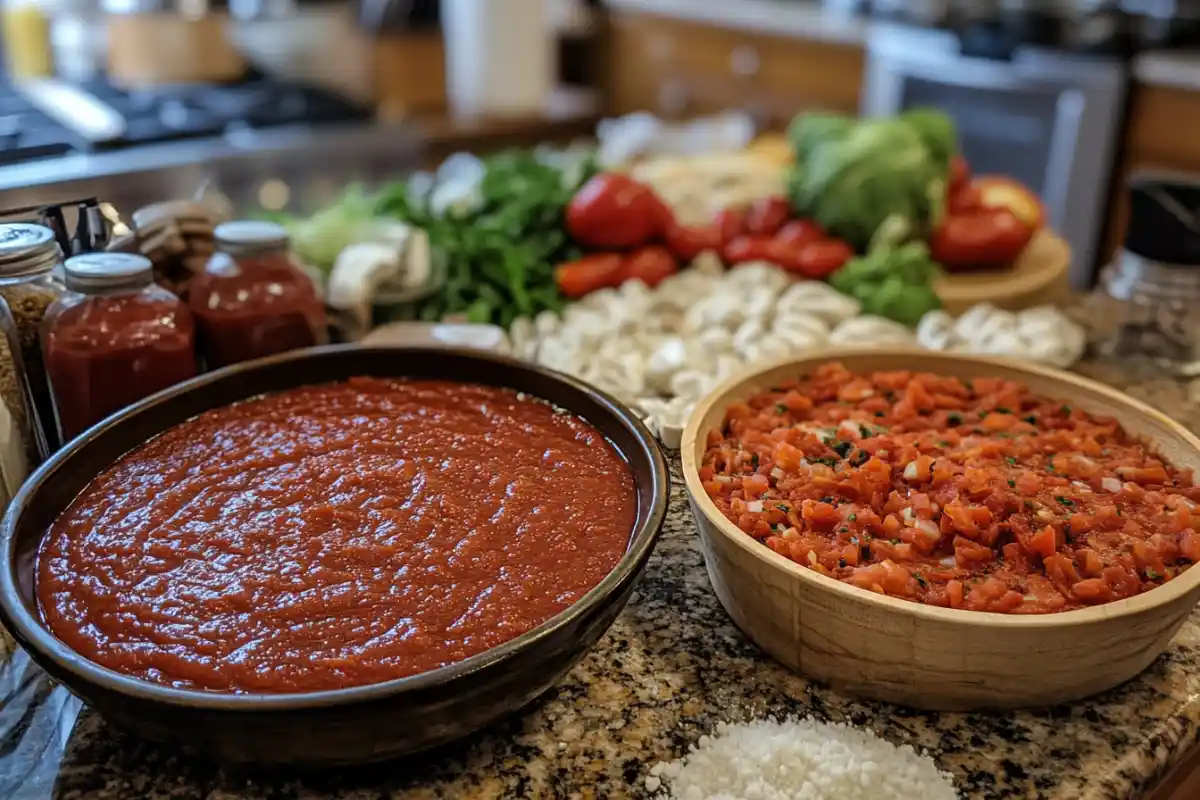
point(1152, 574)
point(880, 414)
point(1066, 501)
point(954, 418)
point(920, 579)
point(842, 448)
point(942, 444)
point(1010, 459)
point(982, 414)
point(1012, 484)
point(894, 541)
point(1002, 410)
point(852, 517)
point(500, 250)
point(864, 431)
point(1066, 410)
point(754, 460)
point(780, 408)
point(1031, 419)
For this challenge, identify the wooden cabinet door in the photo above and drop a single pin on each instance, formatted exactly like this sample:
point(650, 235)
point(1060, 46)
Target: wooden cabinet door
point(680, 69)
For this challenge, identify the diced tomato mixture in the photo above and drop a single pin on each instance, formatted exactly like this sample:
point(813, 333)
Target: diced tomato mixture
point(964, 494)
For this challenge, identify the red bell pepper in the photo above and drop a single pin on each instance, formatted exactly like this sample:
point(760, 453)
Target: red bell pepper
point(979, 239)
point(996, 191)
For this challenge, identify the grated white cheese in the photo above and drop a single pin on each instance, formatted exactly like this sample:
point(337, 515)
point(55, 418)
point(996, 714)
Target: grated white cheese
point(799, 759)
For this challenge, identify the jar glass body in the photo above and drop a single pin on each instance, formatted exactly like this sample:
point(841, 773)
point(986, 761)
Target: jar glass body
point(253, 304)
point(106, 350)
point(1149, 313)
point(24, 388)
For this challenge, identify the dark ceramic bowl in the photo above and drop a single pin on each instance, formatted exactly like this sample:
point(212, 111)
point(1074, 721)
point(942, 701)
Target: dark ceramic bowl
point(345, 726)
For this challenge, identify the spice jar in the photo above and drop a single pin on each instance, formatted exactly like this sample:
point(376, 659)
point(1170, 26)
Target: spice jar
point(113, 338)
point(253, 299)
point(29, 255)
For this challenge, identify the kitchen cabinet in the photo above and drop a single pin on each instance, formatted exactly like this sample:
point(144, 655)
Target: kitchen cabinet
point(676, 69)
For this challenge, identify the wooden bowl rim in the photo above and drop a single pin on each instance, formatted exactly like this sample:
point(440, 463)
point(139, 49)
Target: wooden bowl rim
point(1162, 595)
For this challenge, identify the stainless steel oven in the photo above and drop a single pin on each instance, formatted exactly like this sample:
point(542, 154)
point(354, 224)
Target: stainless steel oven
point(1050, 119)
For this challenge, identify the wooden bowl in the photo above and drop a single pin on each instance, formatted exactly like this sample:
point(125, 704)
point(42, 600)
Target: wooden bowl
point(342, 726)
point(904, 652)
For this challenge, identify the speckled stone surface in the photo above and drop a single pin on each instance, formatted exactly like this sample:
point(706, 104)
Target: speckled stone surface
point(671, 667)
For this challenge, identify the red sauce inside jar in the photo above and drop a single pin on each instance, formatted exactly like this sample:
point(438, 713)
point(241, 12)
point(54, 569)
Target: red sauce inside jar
point(252, 300)
point(113, 339)
point(334, 536)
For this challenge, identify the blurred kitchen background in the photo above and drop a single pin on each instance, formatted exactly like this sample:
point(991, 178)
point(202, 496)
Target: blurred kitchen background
point(278, 104)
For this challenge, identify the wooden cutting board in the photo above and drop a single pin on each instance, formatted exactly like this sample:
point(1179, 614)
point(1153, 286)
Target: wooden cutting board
point(1039, 276)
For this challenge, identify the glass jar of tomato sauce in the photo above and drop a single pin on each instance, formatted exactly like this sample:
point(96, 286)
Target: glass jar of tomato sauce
point(113, 338)
point(253, 299)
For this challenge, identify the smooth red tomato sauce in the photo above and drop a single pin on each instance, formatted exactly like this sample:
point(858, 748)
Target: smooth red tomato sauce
point(966, 494)
point(336, 535)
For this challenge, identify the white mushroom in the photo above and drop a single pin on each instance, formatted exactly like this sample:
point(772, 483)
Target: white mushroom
point(935, 330)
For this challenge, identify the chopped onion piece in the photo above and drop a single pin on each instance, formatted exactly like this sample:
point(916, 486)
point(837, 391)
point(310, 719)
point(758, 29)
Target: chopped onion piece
point(948, 561)
point(1080, 485)
point(906, 514)
point(790, 533)
point(723, 478)
point(754, 506)
point(929, 528)
point(777, 474)
point(812, 557)
point(910, 471)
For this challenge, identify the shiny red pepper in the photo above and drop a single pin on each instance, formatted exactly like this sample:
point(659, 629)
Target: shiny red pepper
point(979, 239)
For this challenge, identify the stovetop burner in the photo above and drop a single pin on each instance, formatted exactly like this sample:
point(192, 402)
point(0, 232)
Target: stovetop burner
point(160, 114)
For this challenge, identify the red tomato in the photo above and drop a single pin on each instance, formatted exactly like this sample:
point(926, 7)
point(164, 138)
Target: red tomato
point(731, 223)
point(664, 217)
point(585, 275)
point(750, 248)
point(964, 200)
point(988, 238)
point(996, 191)
point(614, 211)
point(689, 241)
point(820, 259)
point(767, 216)
point(960, 174)
point(800, 232)
point(650, 265)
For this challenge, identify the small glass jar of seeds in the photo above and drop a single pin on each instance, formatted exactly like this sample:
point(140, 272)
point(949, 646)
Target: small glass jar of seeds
point(30, 268)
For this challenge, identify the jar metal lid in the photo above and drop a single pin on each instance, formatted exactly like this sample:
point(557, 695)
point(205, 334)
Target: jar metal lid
point(27, 249)
point(246, 235)
point(105, 270)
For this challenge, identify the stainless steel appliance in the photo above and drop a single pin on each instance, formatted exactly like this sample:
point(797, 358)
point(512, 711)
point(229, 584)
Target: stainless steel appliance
point(1047, 117)
point(52, 117)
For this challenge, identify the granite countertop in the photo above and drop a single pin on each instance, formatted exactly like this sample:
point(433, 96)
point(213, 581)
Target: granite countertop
point(669, 669)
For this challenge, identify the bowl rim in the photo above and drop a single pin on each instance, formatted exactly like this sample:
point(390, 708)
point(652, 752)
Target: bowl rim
point(31, 633)
point(1162, 595)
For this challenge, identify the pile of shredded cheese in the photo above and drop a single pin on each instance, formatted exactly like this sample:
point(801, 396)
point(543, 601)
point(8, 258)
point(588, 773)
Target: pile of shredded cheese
point(798, 759)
